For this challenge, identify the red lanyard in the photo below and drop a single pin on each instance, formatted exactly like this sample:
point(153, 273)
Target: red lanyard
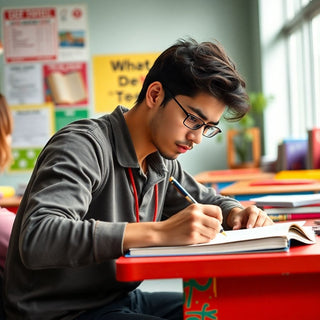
point(136, 202)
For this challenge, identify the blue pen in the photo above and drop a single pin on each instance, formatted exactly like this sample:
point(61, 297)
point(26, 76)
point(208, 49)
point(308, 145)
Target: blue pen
point(186, 194)
point(182, 190)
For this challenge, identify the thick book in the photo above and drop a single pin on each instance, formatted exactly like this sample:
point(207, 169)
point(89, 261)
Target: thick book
point(293, 216)
point(291, 200)
point(313, 174)
point(277, 237)
point(295, 210)
point(282, 182)
point(314, 148)
point(292, 154)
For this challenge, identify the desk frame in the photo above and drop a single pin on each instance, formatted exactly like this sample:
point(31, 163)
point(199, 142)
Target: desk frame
point(282, 285)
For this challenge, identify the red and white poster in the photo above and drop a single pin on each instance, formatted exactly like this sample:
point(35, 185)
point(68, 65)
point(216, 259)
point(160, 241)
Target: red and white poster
point(30, 34)
point(72, 33)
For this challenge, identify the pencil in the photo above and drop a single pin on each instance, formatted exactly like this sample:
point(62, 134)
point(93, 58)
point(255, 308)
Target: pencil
point(186, 194)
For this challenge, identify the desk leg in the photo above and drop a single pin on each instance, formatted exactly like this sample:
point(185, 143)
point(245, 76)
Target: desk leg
point(251, 298)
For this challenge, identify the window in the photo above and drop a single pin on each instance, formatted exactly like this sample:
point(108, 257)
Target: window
point(290, 68)
point(315, 26)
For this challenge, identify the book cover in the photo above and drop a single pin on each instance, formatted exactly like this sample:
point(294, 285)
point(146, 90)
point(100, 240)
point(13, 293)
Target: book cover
point(282, 182)
point(292, 154)
point(314, 148)
point(291, 200)
point(280, 162)
point(295, 216)
point(277, 237)
point(288, 210)
point(298, 174)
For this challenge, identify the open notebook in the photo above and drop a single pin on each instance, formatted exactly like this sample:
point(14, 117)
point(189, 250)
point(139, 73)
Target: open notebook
point(262, 239)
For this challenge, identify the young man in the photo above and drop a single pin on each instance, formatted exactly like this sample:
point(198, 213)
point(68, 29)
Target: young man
point(101, 186)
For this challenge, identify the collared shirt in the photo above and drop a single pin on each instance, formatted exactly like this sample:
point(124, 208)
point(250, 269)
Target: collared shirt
point(70, 224)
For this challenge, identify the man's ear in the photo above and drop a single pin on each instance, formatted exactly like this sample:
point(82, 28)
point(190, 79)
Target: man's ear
point(154, 94)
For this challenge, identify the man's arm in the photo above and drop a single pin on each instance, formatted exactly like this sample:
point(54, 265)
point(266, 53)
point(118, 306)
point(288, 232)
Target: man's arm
point(196, 223)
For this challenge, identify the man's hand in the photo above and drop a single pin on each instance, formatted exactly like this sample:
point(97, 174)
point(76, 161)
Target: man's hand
point(197, 223)
point(249, 217)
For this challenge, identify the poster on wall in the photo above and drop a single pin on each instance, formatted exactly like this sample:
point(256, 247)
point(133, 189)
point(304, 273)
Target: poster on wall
point(118, 79)
point(23, 84)
point(46, 55)
point(72, 33)
point(65, 83)
point(66, 116)
point(34, 125)
point(30, 34)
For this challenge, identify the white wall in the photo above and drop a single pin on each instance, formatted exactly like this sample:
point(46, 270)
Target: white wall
point(127, 26)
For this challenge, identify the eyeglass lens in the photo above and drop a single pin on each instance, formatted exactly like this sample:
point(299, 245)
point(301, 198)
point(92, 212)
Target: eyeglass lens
point(194, 123)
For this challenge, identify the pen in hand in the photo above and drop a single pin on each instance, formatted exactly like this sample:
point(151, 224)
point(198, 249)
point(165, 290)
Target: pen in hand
point(187, 195)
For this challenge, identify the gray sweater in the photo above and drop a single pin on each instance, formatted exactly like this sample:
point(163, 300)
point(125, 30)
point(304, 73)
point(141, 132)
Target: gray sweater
point(70, 224)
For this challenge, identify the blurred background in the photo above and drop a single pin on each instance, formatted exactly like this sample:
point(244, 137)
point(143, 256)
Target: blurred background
point(274, 44)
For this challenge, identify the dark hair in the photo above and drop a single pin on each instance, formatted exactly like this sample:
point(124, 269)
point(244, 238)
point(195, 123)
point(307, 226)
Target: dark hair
point(6, 126)
point(189, 68)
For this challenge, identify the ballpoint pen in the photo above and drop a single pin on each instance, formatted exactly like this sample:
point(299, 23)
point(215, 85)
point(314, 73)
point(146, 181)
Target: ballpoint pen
point(187, 195)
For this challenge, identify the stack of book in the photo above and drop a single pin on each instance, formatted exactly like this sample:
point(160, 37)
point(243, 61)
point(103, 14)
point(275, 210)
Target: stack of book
point(300, 154)
point(290, 207)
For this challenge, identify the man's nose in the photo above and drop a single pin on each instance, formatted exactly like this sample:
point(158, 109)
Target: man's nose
point(195, 135)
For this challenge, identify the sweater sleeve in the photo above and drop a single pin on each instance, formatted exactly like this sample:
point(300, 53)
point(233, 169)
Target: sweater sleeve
point(55, 206)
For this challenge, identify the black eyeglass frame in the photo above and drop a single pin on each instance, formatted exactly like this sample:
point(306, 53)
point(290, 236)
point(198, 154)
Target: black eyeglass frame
point(197, 126)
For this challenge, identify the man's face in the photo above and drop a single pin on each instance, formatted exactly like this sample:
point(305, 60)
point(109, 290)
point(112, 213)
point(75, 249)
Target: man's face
point(169, 134)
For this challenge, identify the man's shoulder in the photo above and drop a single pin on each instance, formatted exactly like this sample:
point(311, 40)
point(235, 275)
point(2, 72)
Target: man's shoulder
point(90, 126)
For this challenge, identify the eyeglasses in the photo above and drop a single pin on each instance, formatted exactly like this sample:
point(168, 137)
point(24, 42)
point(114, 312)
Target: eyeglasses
point(194, 123)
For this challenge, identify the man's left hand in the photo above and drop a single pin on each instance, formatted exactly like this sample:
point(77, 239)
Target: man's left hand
point(250, 217)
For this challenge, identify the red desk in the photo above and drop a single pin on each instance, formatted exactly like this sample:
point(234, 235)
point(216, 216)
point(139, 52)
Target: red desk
point(11, 203)
point(244, 286)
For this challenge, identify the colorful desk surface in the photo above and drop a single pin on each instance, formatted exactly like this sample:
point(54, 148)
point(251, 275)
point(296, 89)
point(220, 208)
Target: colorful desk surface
point(253, 286)
point(230, 175)
point(250, 187)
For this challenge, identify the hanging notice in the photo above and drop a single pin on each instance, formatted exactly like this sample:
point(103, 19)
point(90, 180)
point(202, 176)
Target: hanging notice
point(34, 126)
point(118, 79)
point(23, 84)
point(73, 33)
point(30, 34)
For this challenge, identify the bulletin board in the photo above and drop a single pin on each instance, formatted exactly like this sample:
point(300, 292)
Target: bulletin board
point(46, 64)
